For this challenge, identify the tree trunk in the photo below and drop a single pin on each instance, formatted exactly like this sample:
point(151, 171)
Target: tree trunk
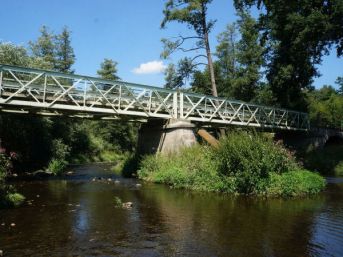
point(210, 67)
point(208, 52)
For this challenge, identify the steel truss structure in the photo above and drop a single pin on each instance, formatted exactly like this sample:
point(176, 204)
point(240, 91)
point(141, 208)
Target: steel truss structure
point(27, 90)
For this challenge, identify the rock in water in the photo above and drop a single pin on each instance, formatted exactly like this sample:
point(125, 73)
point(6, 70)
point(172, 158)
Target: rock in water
point(127, 205)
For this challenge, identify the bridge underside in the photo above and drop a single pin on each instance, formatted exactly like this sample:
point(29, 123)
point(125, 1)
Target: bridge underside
point(24, 90)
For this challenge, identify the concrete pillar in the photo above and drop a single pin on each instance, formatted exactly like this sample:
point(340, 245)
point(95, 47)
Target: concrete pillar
point(165, 136)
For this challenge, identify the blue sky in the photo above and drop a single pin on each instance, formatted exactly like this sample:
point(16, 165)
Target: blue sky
point(127, 31)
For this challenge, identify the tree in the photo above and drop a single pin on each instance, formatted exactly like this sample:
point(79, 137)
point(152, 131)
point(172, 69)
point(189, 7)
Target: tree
point(172, 77)
point(194, 14)
point(297, 34)
point(249, 57)
point(339, 82)
point(325, 107)
point(108, 70)
point(226, 52)
point(11, 54)
point(43, 50)
point(65, 56)
point(237, 69)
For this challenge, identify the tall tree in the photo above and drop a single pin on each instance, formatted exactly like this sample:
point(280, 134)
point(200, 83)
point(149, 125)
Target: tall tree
point(339, 82)
point(298, 34)
point(226, 51)
point(249, 57)
point(108, 70)
point(43, 50)
point(194, 14)
point(65, 56)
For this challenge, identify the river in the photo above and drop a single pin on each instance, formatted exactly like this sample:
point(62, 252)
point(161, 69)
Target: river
point(76, 216)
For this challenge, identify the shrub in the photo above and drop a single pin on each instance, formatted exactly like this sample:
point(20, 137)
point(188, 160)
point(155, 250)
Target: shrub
point(60, 150)
point(56, 166)
point(339, 169)
point(192, 168)
point(244, 163)
point(298, 182)
point(14, 199)
point(250, 158)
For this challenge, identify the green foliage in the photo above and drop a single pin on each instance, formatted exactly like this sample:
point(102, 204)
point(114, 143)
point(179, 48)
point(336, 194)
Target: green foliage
point(12, 54)
point(294, 183)
point(127, 166)
point(54, 142)
point(60, 154)
point(250, 158)
point(14, 199)
point(297, 36)
point(118, 202)
point(108, 70)
point(65, 57)
point(244, 163)
point(339, 82)
point(8, 196)
point(325, 107)
point(194, 14)
point(326, 160)
point(339, 169)
point(237, 69)
point(57, 166)
point(44, 49)
point(249, 57)
point(60, 150)
point(193, 169)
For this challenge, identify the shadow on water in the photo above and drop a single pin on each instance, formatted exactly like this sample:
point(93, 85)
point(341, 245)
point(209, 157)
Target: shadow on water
point(78, 217)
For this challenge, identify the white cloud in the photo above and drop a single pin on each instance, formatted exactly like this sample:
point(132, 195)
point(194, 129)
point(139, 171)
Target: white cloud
point(150, 68)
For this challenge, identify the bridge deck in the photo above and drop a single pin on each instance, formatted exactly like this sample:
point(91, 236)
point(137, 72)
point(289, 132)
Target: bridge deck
point(46, 92)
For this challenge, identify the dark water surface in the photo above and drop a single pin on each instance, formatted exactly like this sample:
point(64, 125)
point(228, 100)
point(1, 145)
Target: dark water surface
point(78, 217)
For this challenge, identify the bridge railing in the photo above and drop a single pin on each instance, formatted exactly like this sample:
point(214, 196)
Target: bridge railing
point(207, 109)
point(34, 90)
point(48, 90)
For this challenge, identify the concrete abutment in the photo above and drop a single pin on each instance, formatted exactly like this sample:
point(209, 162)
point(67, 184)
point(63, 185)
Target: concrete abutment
point(165, 136)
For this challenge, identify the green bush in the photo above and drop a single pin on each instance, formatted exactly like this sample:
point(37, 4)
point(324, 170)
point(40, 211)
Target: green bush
point(14, 199)
point(249, 158)
point(244, 163)
point(339, 169)
point(56, 166)
point(192, 168)
point(298, 182)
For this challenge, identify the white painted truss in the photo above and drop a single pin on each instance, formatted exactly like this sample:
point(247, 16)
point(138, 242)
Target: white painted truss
point(26, 90)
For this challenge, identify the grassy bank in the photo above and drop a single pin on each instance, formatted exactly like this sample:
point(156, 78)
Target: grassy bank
point(245, 163)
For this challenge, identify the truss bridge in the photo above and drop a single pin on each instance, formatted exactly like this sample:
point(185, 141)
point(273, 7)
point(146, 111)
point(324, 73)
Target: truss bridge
point(26, 90)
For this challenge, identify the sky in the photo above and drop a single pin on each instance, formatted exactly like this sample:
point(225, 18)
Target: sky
point(127, 31)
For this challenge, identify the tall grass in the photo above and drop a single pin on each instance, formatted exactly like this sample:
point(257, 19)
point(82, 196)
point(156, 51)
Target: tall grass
point(245, 163)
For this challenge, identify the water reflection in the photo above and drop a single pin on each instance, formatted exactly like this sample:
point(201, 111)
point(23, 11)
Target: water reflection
point(77, 217)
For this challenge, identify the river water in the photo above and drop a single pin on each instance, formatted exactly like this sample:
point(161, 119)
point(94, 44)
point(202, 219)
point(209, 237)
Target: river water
point(78, 217)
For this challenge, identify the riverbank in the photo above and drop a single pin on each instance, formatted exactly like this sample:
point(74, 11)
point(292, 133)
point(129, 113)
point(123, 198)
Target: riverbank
point(245, 163)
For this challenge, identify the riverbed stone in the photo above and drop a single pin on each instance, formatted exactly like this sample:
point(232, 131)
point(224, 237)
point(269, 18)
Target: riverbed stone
point(127, 205)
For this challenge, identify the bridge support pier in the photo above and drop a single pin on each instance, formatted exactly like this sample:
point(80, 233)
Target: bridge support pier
point(165, 136)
